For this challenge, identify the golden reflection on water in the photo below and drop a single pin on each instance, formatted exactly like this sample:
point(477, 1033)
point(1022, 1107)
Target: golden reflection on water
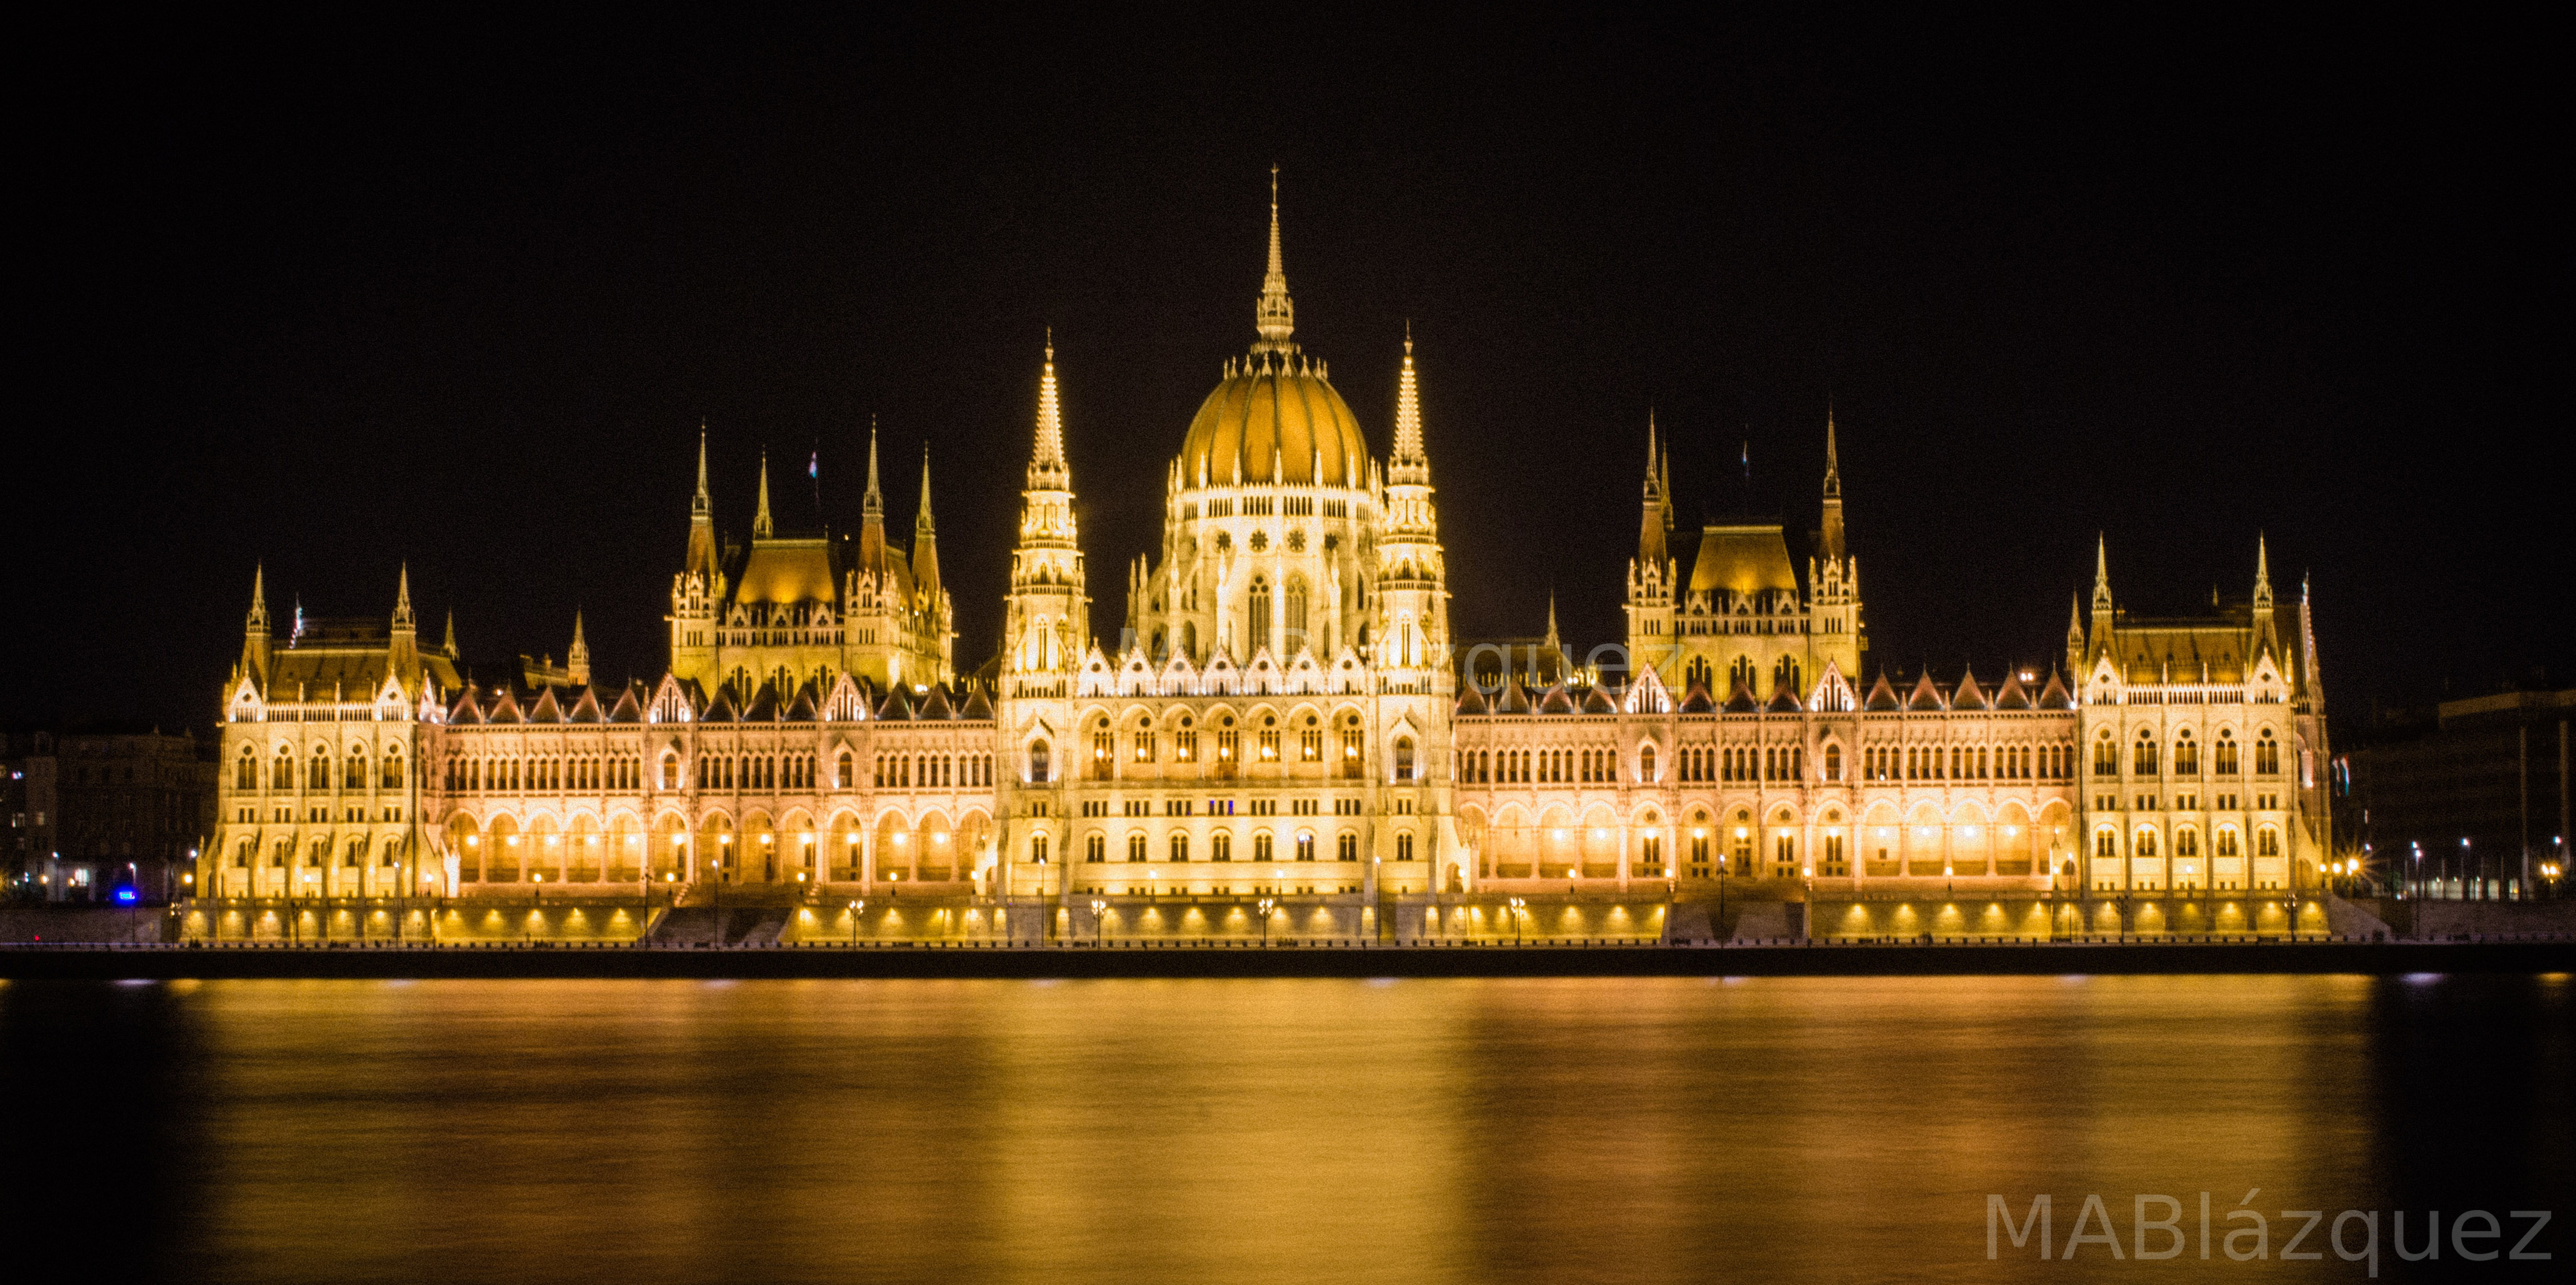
point(1453, 1131)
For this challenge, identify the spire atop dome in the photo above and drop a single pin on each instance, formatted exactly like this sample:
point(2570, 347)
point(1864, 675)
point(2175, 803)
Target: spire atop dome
point(2262, 572)
point(1275, 317)
point(402, 600)
point(761, 526)
point(2101, 573)
point(258, 619)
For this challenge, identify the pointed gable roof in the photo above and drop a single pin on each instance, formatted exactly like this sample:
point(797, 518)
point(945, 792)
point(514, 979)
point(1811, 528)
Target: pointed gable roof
point(1597, 701)
point(1515, 699)
point(1697, 701)
point(505, 708)
point(2013, 695)
point(1967, 695)
point(1556, 701)
point(628, 708)
point(1471, 701)
point(1925, 696)
point(1740, 700)
point(1881, 695)
point(977, 708)
point(1783, 701)
point(896, 707)
point(586, 709)
point(2055, 695)
point(936, 705)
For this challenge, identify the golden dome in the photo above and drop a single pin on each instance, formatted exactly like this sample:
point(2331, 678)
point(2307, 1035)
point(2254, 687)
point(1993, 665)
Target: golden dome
point(1279, 420)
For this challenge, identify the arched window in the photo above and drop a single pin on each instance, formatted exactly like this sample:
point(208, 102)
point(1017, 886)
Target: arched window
point(2145, 758)
point(1404, 758)
point(1696, 673)
point(670, 770)
point(2267, 755)
point(843, 766)
point(393, 775)
point(2227, 754)
point(1038, 766)
point(2146, 845)
point(353, 771)
point(282, 773)
point(1785, 675)
point(2106, 756)
point(1296, 636)
point(1305, 845)
point(246, 772)
point(2106, 843)
point(1260, 613)
point(1136, 846)
point(1038, 849)
point(1190, 638)
point(320, 777)
point(1346, 846)
point(1741, 674)
point(1404, 845)
point(1221, 846)
point(2227, 841)
point(1646, 763)
point(1180, 848)
point(2186, 754)
point(2186, 842)
point(1095, 849)
point(2267, 842)
point(1833, 762)
point(1261, 845)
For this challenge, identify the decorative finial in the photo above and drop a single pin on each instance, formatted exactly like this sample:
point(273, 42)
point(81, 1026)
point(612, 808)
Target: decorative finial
point(700, 507)
point(1833, 465)
point(922, 523)
point(761, 526)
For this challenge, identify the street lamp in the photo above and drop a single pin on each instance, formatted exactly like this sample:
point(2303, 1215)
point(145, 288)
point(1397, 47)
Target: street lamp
point(1517, 903)
point(1099, 922)
point(855, 908)
point(1265, 904)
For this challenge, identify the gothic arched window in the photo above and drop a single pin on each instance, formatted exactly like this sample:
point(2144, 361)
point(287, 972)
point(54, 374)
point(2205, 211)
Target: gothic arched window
point(1696, 673)
point(1260, 613)
point(1296, 635)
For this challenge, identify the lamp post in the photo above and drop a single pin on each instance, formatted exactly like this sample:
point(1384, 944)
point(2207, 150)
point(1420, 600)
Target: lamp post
point(1517, 903)
point(1099, 922)
point(855, 908)
point(1265, 904)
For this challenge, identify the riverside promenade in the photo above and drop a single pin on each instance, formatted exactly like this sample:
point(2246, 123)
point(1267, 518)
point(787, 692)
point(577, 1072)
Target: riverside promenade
point(1007, 961)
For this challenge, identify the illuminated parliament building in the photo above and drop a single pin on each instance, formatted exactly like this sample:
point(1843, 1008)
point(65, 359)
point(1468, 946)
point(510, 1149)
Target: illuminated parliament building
point(1280, 711)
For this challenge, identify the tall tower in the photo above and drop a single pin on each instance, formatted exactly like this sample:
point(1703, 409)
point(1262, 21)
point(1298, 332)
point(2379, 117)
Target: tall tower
point(699, 588)
point(1045, 632)
point(1415, 680)
point(1833, 581)
point(1651, 642)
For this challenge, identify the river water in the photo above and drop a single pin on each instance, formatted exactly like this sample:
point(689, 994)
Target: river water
point(1141, 1131)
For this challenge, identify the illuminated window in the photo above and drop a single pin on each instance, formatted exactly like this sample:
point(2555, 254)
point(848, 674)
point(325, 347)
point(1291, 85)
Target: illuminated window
point(1136, 847)
point(1404, 845)
point(1404, 758)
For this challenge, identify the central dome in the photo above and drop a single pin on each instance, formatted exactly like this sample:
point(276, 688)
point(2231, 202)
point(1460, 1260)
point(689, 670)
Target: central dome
point(1275, 421)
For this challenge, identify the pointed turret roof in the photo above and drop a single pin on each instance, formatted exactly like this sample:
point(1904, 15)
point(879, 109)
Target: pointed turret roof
point(1274, 317)
point(761, 526)
point(1407, 465)
point(872, 505)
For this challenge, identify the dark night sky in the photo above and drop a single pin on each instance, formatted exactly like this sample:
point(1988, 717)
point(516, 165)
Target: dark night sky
point(339, 299)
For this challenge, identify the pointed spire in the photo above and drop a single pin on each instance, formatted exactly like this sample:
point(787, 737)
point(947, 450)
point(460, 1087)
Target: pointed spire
point(922, 524)
point(402, 600)
point(577, 660)
point(702, 506)
point(1654, 456)
point(258, 620)
point(761, 527)
point(1274, 317)
point(1833, 465)
point(1552, 644)
point(2262, 574)
point(1048, 457)
point(450, 644)
point(872, 508)
point(2101, 573)
point(1407, 463)
point(1657, 517)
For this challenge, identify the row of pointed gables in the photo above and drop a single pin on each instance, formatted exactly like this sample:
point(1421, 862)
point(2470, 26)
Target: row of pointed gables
point(1177, 675)
point(1647, 696)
